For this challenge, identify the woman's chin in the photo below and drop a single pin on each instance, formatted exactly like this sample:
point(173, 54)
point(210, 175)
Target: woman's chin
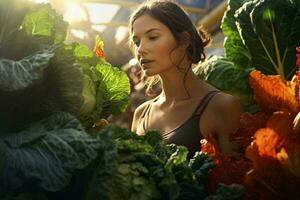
point(149, 72)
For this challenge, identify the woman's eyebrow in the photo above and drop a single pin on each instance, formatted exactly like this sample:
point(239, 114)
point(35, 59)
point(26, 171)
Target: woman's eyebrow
point(148, 31)
point(152, 29)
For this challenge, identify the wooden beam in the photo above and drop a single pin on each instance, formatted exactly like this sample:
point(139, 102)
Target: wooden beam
point(214, 17)
point(87, 25)
point(194, 10)
point(130, 4)
point(127, 4)
point(113, 24)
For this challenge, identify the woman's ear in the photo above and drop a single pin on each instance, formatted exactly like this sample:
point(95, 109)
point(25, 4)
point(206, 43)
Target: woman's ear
point(185, 39)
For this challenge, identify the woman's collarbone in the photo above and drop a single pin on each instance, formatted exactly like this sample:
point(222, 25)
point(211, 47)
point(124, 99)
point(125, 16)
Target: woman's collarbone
point(166, 119)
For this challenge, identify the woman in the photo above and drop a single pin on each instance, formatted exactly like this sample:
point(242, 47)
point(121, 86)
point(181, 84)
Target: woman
point(167, 44)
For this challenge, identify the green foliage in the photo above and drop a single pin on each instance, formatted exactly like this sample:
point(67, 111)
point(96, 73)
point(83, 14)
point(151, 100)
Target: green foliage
point(42, 75)
point(228, 77)
point(259, 34)
point(45, 154)
point(25, 196)
point(45, 85)
point(101, 171)
point(50, 94)
point(43, 24)
point(227, 192)
point(105, 89)
point(26, 28)
point(145, 168)
point(263, 34)
point(114, 88)
point(37, 86)
point(235, 49)
point(22, 74)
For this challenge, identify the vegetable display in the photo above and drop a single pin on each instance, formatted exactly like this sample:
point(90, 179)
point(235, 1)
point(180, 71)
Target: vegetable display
point(262, 39)
point(41, 75)
point(53, 98)
point(259, 34)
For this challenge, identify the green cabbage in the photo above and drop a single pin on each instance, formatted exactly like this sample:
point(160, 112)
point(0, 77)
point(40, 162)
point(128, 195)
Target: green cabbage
point(263, 34)
point(47, 75)
point(45, 154)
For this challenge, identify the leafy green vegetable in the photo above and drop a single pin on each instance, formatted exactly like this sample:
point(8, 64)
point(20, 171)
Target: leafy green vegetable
point(114, 88)
point(48, 76)
point(29, 88)
point(36, 89)
point(226, 76)
point(227, 192)
point(18, 75)
point(201, 164)
point(133, 181)
point(260, 34)
point(45, 154)
point(268, 29)
point(11, 17)
point(106, 88)
point(236, 51)
point(26, 28)
point(103, 168)
point(145, 168)
point(43, 24)
point(25, 196)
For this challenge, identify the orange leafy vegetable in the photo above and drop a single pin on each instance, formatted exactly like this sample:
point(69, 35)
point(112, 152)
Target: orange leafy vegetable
point(297, 76)
point(272, 93)
point(298, 56)
point(249, 124)
point(270, 139)
point(275, 152)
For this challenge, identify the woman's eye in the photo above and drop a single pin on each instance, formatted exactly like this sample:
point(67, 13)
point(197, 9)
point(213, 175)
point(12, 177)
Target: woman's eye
point(153, 38)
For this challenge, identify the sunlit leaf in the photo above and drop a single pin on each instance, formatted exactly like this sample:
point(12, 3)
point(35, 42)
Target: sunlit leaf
point(272, 93)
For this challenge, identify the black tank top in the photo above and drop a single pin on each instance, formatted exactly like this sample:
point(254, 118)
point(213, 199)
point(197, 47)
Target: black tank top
point(188, 133)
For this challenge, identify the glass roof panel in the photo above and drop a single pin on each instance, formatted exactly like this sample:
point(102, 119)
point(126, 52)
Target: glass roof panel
point(75, 13)
point(101, 13)
point(121, 33)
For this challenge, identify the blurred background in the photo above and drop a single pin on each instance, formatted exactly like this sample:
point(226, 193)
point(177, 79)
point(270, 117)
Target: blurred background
point(109, 20)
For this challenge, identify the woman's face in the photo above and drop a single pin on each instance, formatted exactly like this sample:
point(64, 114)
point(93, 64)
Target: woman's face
point(156, 48)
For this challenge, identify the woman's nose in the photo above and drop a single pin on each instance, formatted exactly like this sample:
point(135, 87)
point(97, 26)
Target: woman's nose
point(141, 48)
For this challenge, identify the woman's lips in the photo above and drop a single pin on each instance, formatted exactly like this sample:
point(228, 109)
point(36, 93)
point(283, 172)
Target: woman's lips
point(145, 64)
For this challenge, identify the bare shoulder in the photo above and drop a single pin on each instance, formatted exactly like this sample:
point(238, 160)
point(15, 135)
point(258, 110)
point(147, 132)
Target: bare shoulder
point(227, 102)
point(227, 110)
point(137, 115)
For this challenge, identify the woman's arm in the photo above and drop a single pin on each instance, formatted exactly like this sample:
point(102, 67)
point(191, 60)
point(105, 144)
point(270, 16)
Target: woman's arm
point(227, 112)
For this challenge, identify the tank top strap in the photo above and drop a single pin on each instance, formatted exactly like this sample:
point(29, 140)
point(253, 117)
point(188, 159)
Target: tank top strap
point(146, 111)
point(204, 102)
point(147, 108)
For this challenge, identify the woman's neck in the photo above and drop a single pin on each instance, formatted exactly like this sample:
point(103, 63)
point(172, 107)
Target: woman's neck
point(177, 87)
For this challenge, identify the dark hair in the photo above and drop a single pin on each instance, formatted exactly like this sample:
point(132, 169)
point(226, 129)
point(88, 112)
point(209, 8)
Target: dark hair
point(175, 18)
